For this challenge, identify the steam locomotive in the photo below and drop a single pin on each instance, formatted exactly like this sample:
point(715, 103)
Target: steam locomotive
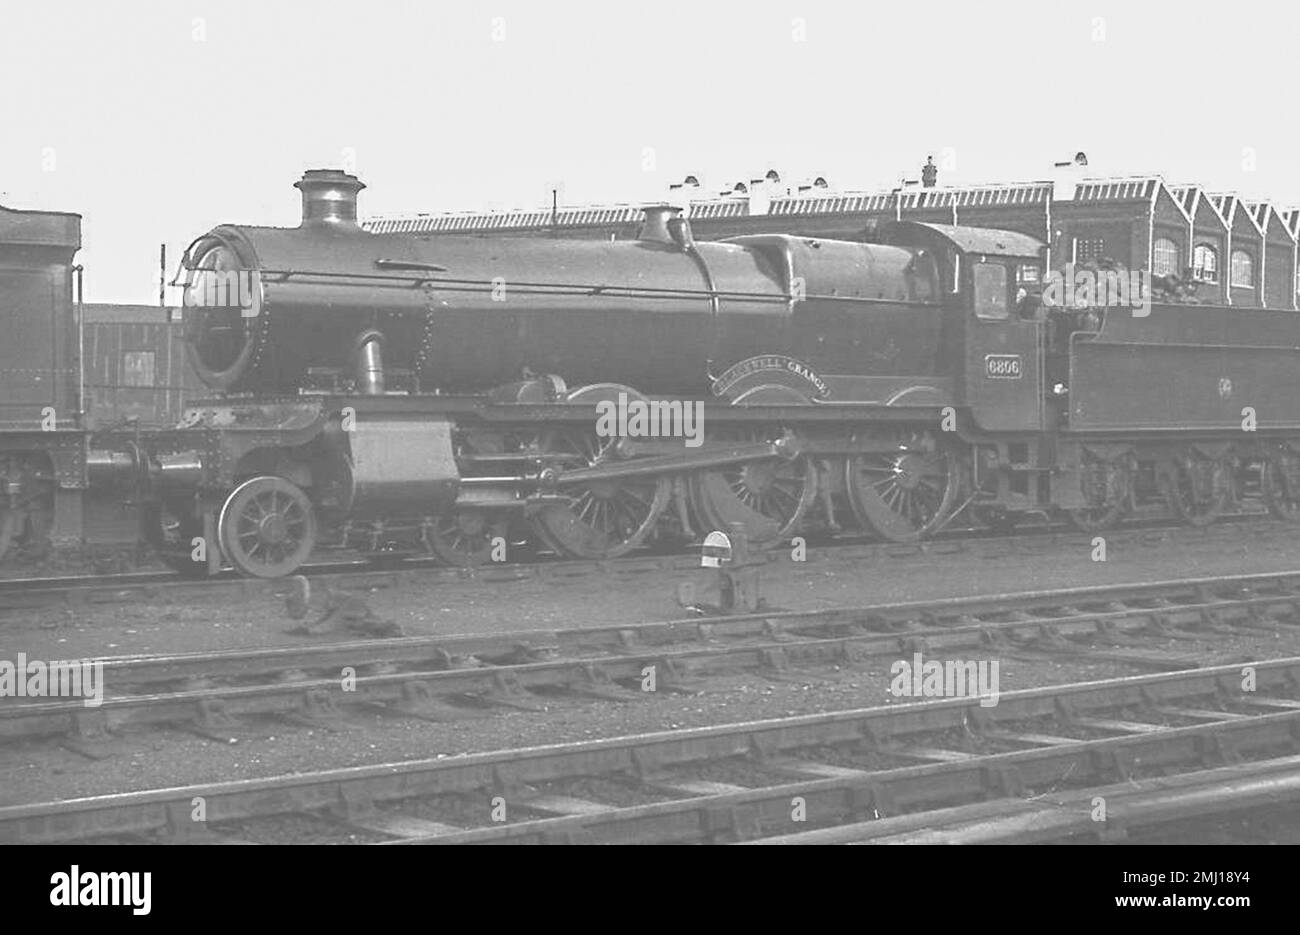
point(395, 392)
point(400, 392)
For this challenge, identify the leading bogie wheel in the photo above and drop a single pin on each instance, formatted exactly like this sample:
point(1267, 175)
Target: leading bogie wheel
point(466, 537)
point(267, 527)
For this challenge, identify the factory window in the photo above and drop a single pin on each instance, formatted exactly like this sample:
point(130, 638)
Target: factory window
point(1242, 269)
point(1205, 263)
point(991, 291)
point(1164, 257)
point(1089, 248)
point(137, 368)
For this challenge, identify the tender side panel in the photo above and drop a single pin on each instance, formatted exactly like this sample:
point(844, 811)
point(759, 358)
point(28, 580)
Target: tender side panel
point(29, 359)
point(1187, 367)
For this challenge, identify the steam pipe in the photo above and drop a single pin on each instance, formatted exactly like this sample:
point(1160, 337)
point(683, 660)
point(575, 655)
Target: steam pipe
point(370, 363)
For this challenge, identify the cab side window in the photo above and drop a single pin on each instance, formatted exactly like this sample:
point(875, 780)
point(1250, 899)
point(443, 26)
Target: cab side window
point(991, 291)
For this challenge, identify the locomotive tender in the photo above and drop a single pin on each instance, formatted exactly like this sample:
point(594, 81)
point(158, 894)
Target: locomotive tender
point(396, 391)
point(42, 435)
point(67, 422)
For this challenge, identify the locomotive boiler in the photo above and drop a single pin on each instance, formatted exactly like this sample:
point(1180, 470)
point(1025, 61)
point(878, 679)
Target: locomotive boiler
point(327, 305)
point(392, 392)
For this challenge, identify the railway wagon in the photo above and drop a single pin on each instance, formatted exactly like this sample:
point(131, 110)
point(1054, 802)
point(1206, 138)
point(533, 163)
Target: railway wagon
point(136, 368)
point(397, 391)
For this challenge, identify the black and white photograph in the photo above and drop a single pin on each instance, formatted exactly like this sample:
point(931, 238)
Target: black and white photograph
point(571, 423)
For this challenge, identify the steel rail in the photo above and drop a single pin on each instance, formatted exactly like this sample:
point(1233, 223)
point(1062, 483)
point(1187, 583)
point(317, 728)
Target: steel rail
point(406, 675)
point(935, 733)
point(1057, 817)
point(23, 594)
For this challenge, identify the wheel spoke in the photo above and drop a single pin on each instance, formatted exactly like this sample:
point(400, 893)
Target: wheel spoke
point(769, 497)
point(902, 496)
point(606, 519)
point(267, 527)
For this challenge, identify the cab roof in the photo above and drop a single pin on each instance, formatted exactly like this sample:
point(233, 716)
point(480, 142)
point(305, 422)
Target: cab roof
point(982, 240)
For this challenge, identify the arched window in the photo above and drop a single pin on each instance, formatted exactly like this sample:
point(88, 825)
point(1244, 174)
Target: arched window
point(1242, 270)
point(1164, 258)
point(1205, 263)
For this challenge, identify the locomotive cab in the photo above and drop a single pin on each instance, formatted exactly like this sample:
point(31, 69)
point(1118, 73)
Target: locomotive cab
point(999, 357)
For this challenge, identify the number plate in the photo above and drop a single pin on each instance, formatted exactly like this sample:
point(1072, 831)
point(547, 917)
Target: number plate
point(1003, 367)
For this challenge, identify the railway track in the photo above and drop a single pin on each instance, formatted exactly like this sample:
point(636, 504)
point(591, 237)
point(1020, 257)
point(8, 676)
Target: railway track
point(1131, 806)
point(24, 594)
point(1171, 744)
point(446, 678)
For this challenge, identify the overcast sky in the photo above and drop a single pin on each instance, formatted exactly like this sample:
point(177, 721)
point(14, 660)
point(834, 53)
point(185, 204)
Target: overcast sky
point(157, 120)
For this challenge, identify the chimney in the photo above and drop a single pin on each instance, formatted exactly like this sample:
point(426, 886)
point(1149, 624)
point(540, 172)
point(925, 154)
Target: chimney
point(655, 225)
point(929, 173)
point(1067, 175)
point(329, 196)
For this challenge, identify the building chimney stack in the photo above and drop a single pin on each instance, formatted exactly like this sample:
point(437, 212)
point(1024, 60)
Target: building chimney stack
point(929, 173)
point(1066, 176)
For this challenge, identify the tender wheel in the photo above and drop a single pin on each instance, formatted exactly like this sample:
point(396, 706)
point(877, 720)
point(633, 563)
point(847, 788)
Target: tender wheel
point(267, 527)
point(770, 497)
point(1200, 489)
point(902, 495)
point(464, 537)
point(1108, 484)
point(601, 519)
point(171, 531)
point(1280, 485)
